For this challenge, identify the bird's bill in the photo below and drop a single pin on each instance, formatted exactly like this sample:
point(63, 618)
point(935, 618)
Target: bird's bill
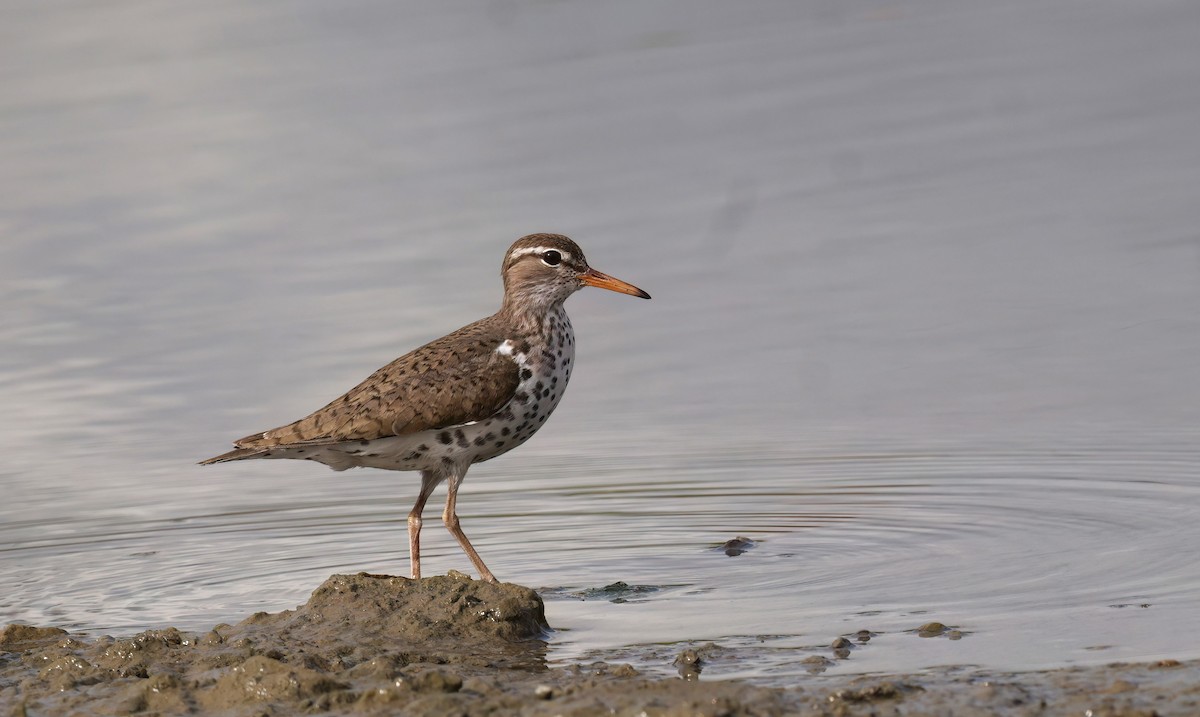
point(591, 277)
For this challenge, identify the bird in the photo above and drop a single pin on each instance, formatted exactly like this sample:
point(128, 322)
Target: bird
point(465, 398)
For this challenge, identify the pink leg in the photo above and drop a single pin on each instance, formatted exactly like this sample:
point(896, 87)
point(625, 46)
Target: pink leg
point(429, 481)
point(450, 518)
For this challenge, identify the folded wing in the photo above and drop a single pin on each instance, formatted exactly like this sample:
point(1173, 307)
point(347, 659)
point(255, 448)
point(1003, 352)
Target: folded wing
point(457, 379)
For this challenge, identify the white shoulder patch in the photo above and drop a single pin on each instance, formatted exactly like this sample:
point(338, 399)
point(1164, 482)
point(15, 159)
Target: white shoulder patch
point(507, 348)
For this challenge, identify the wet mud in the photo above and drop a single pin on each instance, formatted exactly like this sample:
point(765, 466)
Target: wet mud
point(449, 645)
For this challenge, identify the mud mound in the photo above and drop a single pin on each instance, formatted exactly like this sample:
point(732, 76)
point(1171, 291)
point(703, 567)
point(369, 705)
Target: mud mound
point(383, 610)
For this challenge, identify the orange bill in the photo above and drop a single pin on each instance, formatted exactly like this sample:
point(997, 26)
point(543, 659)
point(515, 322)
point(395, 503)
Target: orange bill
point(599, 279)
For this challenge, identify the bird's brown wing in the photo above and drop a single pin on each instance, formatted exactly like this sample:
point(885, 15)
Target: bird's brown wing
point(454, 380)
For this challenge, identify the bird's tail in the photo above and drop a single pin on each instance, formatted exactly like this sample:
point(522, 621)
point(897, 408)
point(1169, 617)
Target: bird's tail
point(237, 454)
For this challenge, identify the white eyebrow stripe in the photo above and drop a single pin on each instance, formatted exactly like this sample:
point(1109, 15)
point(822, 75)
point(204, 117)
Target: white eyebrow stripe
point(539, 250)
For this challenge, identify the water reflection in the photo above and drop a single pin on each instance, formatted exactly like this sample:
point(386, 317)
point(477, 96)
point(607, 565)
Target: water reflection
point(997, 546)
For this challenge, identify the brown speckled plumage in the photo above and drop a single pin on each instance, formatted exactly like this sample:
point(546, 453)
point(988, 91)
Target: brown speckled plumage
point(461, 399)
point(455, 379)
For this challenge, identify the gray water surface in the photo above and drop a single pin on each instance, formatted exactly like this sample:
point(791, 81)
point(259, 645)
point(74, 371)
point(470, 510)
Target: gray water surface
point(924, 326)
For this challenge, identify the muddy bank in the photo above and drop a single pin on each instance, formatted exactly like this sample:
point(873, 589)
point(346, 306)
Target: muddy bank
point(372, 644)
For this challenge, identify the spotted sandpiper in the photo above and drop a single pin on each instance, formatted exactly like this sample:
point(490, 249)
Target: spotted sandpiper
point(462, 399)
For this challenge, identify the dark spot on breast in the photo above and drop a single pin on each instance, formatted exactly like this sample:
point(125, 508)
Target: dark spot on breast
point(521, 397)
point(364, 443)
point(444, 437)
point(534, 408)
point(526, 374)
point(505, 431)
point(499, 444)
point(538, 386)
point(553, 380)
point(447, 461)
point(480, 440)
point(422, 448)
point(462, 440)
point(490, 436)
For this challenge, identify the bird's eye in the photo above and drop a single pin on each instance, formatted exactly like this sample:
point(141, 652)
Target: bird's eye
point(551, 258)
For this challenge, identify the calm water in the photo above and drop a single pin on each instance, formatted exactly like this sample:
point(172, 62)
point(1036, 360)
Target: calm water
point(926, 279)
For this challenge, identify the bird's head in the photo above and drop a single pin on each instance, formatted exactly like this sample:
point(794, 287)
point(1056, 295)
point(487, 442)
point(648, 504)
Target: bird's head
point(542, 270)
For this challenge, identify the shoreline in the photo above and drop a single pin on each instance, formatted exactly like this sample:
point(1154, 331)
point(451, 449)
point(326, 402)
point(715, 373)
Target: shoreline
point(449, 645)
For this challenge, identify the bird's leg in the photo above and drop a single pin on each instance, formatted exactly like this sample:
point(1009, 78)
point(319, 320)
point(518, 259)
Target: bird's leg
point(429, 481)
point(450, 518)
